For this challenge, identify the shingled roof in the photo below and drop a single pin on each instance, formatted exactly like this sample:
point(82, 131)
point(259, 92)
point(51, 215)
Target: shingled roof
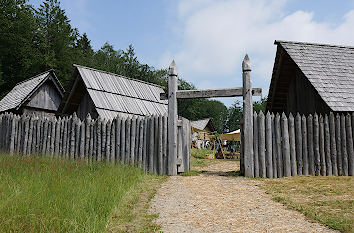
point(114, 94)
point(25, 89)
point(329, 68)
point(202, 124)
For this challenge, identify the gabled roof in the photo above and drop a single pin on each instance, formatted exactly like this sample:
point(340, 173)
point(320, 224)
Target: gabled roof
point(25, 89)
point(114, 94)
point(202, 124)
point(329, 68)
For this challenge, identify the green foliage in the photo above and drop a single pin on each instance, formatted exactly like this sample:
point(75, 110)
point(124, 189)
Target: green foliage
point(200, 153)
point(260, 105)
point(41, 194)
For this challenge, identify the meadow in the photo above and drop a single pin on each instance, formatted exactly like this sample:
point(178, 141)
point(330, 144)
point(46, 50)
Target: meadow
point(42, 194)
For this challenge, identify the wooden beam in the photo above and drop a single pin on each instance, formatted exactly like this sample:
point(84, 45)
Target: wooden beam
point(226, 92)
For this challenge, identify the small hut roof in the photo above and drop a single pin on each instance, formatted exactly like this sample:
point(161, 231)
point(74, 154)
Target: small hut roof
point(114, 94)
point(202, 124)
point(25, 89)
point(329, 68)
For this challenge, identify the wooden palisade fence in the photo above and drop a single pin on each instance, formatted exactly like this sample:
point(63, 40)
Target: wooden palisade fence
point(137, 141)
point(303, 145)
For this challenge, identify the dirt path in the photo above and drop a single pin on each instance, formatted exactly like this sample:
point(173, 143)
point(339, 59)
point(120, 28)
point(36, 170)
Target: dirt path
point(217, 201)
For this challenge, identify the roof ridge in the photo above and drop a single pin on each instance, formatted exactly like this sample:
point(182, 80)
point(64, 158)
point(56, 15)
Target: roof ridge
point(121, 76)
point(312, 43)
point(36, 76)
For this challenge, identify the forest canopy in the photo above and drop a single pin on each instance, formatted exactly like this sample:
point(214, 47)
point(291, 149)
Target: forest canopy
point(33, 40)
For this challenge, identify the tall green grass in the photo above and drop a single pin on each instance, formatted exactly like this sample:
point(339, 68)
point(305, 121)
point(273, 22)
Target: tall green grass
point(40, 194)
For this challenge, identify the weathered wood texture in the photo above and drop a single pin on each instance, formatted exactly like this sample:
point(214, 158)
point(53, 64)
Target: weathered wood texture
point(288, 146)
point(139, 141)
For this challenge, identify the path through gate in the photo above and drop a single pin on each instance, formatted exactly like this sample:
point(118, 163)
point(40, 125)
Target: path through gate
point(178, 136)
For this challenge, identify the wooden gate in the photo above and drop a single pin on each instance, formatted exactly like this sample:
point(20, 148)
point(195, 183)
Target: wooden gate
point(179, 140)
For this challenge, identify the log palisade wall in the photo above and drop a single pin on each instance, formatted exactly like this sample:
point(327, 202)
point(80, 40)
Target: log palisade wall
point(303, 145)
point(138, 141)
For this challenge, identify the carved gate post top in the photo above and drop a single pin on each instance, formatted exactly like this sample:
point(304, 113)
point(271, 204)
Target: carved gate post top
point(172, 70)
point(246, 64)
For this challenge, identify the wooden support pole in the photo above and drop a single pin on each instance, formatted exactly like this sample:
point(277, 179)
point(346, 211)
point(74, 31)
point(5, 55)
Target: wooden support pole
point(247, 118)
point(269, 146)
point(99, 139)
point(103, 139)
point(152, 151)
point(285, 145)
point(159, 147)
point(145, 145)
point(332, 132)
point(122, 142)
point(350, 149)
point(279, 150)
point(298, 142)
point(108, 140)
point(274, 150)
point(141, 142)
point(113, 142)
point(128, 124)
point(87, 136)
point(118, 139)
point(310, 145)
point(316, 143)
point(327, 144)
point(132, 140)
point(322, 147)
point(261, 145)
point(339, 146)
point(172, 119)
point(344, 145)
point(255, 145)
point(292, 145)
point(83, 145)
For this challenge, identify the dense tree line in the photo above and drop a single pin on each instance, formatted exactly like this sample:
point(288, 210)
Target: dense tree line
point(35, 40)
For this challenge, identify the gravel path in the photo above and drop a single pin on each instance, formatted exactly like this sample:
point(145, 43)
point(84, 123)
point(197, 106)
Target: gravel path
point(216, 201)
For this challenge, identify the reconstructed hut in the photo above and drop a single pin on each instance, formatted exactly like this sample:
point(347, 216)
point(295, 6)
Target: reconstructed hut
point(310, 78)
point(108, 95)
point(40, 95)
point(201, 132)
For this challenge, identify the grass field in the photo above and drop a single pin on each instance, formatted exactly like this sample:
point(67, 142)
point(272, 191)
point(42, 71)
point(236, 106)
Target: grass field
point(39, 194)
point(328, 200)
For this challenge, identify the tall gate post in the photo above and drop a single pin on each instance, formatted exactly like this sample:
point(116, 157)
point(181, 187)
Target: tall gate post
point(172, 119)
point(247, 150)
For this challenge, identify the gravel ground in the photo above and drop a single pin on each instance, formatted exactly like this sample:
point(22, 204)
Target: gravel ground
point(216, 201)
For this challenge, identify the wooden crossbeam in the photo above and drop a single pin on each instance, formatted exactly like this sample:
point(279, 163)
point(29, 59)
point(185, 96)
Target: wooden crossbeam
point(226, 92)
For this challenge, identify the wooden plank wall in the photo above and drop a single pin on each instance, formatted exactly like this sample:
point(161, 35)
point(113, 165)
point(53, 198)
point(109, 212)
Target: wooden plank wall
point(136, 141)
point(313, 145)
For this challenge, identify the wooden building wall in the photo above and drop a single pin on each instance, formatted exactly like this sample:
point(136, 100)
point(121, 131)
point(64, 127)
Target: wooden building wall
point(302, 96)
point(45, 101)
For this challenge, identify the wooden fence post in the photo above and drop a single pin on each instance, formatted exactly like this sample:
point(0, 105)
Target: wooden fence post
point(322, 147)
point(269, 146)
point(274, 150)
point(310, 145)
point(292, 145)
point(261, 145)
point(339, 146)
point(332, 130)
point(316, 143)
point(298, 141)
point(172, 119)
point(255, 145)
point(350, 145)
point(327, 146)
point(247, 117)
point(278, 143)
point(344, 145)
point(286, 145)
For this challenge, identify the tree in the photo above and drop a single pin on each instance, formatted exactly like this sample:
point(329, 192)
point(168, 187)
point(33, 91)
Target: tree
point(234, 117)
point(260, 105)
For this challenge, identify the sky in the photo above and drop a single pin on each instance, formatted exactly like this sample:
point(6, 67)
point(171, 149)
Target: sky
point(208, 39)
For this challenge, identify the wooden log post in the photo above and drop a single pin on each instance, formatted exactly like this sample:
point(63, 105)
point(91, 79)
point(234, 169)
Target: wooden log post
point(94, 138)
point(327, 144)
point(298, 142)
point(91, 151)
point(99, 139)
point(83, 144)
point(145, 145)
point(132, 140)
point(159, 150)
point(339, 146)
point(87, 136)
point(261, 146)
point(247, 118)
point(113, 142)
point(310, 145)
point(269, 146)
point(286, 145)
point(103, 139)
point(279, 156)
point(12, 135)
point(118, 155)
point(255, 145)
point(108, 140)
point(122, 142)
point(52, 140)
point(322, 147)
point(274, 150)
point(172, 119)
point(332, 132)
point(350, 150)
point(165, 145)
point(128, 124)
point(292, 145)
point(26, 133)
point(137, 137)
point(344, 145)
point(316, 144)
point(141, 142)
point(151, 144)
point(57, 136)
point(156, 145)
